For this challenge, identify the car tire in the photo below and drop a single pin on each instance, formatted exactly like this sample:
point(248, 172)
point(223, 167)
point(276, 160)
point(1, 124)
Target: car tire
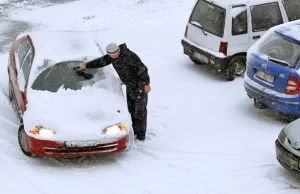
point(259, 105)
point(195, 61)
point(23, 142)
point(236, 68)
point(10, 91)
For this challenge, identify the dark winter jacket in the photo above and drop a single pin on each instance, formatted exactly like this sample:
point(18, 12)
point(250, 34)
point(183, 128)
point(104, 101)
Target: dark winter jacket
point(128, 65)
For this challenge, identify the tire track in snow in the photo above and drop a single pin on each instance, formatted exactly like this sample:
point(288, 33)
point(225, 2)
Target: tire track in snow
point(129, 174)
point(199, 154)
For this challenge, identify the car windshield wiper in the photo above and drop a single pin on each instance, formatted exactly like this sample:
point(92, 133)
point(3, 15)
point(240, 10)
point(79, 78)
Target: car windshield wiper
point(284, 63)
point(200, 26)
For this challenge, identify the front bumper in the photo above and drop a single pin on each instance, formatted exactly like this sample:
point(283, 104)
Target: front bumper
point(287, 159)
point(206, 57)
point(60, 149)
point(289, 106)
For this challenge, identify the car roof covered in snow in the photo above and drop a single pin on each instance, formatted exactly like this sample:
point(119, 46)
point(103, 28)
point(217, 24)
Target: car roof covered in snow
point(236, 2)
point(290, 31)
point(61, 46)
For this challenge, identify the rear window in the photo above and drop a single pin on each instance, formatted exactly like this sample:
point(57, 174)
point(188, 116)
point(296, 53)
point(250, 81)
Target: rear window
point(292, 9)
point(282, 51)
point(210, 17)
point(265, 16)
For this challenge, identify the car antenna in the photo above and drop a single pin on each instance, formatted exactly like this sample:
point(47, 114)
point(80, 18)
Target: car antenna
point(102, 52)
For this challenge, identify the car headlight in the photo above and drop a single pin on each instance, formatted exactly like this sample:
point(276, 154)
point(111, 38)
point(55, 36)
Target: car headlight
point(42, 132)
point(114, 129)
point(282, 136)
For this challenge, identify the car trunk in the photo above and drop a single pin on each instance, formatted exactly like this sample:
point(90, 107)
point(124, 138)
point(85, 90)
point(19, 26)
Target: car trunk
point(274, 63)
point(269, 74)
point(206, 25)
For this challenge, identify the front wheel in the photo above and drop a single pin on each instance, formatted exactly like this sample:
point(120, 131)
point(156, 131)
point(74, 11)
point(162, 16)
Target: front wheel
point(237, 67)
point(23, 142)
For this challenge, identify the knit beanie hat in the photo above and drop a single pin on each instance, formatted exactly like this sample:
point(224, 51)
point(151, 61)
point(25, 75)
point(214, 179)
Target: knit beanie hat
point(112, 48)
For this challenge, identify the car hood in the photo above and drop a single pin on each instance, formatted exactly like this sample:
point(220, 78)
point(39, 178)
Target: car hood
point(75, 115)
point(292, 131)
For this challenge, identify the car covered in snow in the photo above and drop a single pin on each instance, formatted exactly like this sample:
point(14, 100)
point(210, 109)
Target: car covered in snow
point(219, 32)
point(65, 112)
point(272, 78)
point(288, 147)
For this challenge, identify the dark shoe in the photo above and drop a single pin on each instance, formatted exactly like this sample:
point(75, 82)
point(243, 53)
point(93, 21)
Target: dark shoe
point(140, 138)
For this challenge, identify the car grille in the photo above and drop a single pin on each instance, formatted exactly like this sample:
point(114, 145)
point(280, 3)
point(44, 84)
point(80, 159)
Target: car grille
point(109, 147)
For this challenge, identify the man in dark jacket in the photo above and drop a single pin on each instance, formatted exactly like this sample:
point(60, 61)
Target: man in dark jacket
point(134, 74)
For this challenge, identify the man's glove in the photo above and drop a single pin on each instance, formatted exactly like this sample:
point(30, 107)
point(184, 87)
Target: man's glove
point(85, 75)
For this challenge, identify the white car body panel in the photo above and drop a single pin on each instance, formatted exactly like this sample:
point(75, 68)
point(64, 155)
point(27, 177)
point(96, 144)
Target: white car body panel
point(236, 43)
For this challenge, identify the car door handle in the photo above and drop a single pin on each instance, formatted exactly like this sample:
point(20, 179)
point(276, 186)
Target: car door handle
point(256, 37)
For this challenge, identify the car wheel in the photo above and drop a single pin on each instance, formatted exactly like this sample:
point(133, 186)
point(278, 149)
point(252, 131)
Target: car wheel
point(10, 91)
point(236, 68)
point(195, 61)
point(23, 142)
point(259, 105)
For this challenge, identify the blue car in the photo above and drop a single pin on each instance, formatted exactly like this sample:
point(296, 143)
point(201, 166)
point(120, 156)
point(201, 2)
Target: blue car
point(272, 77)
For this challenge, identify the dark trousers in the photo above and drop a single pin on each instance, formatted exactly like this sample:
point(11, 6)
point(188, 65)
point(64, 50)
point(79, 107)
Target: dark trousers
point(137, 101)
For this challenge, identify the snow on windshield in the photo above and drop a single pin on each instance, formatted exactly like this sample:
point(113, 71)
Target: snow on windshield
point(63, 74)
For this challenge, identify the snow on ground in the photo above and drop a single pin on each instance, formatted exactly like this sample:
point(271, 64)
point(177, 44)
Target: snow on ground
point(3, 1)
point(204, 134)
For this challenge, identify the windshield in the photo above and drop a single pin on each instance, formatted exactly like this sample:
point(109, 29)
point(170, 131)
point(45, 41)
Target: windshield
point(210, 17)
point(281, 50)
point(63, 75)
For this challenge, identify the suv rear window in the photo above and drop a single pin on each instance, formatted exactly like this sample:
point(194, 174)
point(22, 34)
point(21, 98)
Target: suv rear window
point(292, 9)
point(282, 51)
point(211, 17)
point(265, 16)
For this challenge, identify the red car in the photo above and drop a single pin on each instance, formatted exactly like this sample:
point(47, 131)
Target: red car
point(64, 112)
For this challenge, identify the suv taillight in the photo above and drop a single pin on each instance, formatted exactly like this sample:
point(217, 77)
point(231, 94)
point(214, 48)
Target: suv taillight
point(292, 86)
point(223, 48)
point(186, 31)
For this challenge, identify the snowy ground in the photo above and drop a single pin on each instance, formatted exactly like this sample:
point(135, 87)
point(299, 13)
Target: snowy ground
point(205, 136)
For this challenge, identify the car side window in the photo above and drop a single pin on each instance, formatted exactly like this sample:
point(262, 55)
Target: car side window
point(292, 8)
point(27, 64)
point(22, 50)
point(239, 20)
point(265, 16)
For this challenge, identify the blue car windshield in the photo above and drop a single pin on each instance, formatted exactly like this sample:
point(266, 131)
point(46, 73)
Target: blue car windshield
point(282, 51)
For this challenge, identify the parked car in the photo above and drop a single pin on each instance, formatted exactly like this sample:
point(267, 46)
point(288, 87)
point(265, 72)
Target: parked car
point(219, 33)
point(272, 78)
point(288, 147)
point(64, 112)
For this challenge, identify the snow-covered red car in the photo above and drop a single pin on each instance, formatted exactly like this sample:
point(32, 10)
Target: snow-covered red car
point(64, 112)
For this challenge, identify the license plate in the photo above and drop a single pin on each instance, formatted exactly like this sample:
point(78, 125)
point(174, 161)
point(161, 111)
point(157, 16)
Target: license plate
point(200, 57)
point(287, 159)
point(264, 76)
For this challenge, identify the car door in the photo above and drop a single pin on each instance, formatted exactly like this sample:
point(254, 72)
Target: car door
point(292, 8)
point(23, 58)
point(238, 36)
point(264, 16)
